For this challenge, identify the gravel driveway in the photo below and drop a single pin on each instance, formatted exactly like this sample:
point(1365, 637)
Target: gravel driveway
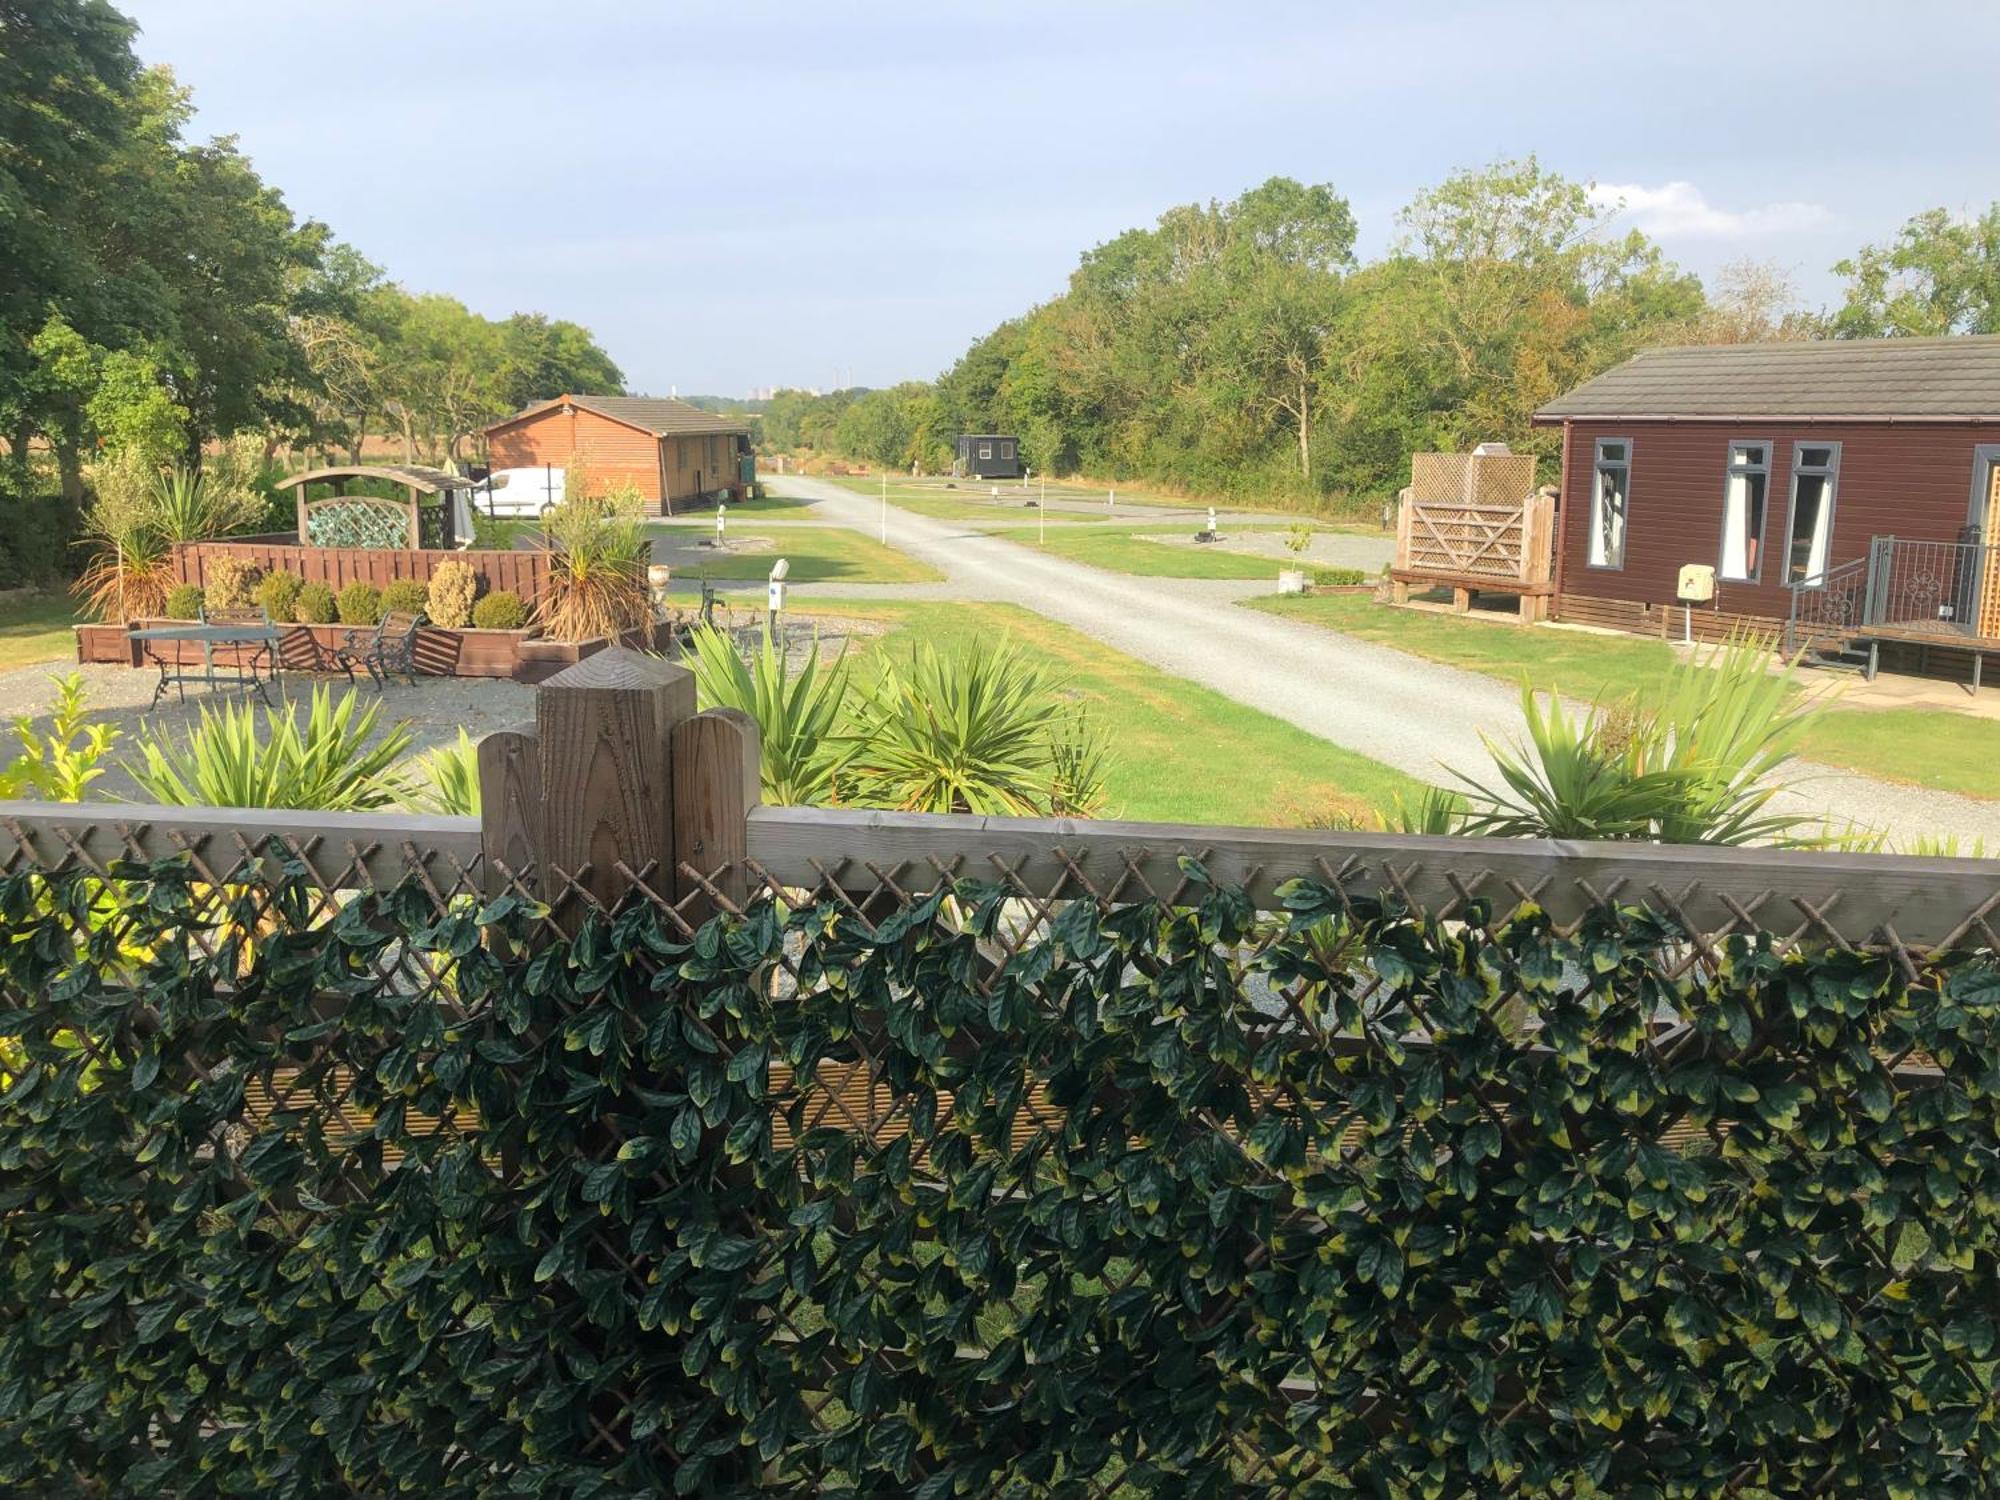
point(1402, 710)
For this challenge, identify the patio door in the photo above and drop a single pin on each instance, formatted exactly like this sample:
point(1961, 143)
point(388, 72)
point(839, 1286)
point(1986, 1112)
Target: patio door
point(1986, 516)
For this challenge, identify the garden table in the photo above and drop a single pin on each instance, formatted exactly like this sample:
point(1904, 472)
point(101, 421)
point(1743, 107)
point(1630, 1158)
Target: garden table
point(254, 660)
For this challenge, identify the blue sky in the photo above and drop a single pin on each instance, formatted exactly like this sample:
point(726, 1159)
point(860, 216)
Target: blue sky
point(750, 194)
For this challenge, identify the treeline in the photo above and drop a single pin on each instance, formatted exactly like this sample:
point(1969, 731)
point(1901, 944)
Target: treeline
point(1241, 349)
point(156, 294)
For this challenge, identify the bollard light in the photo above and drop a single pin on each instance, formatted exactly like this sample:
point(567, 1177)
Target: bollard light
point(721, 520)
point(775, 600)
point(1211, 518)
point(659, 578)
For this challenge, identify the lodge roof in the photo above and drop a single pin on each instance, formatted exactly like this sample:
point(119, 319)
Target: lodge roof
point(1932, 379)
point(662, 416)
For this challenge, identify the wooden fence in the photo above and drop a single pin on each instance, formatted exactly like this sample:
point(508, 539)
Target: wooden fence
point(620, 790)
point(524, 571)
point(1473, 522)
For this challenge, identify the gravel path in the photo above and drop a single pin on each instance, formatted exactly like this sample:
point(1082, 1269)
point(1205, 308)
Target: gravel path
point(1416, 715)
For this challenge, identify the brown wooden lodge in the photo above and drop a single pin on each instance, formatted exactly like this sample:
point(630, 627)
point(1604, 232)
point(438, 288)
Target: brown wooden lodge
point(675, 454)
point(1845, 493)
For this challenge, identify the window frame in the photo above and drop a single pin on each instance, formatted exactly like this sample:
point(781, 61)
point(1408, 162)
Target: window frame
point(1597, 466)
point(1730, 469)
point(1831, 469)
point(985, 450)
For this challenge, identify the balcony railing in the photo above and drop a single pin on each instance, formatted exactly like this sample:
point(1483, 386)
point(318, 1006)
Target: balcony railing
point(1903, 587)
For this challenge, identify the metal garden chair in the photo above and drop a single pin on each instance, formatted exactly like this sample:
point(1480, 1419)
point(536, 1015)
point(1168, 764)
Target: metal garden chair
point(385, 651)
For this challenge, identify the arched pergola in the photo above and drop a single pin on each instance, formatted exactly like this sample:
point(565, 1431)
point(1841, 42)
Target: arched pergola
point(418, 480)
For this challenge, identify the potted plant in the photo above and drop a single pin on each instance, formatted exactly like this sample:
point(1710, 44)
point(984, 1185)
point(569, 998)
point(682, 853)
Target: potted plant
point(1298, 537)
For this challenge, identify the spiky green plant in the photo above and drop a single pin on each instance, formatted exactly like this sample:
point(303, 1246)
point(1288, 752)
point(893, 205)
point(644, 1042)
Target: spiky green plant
point(1436, 810)
point(447, 780)
point(797, 713)
point(972, 730)
point(192, 507)
point(1700, 763)
point(1732, 724)
point(334, 762)
point(1574, 778)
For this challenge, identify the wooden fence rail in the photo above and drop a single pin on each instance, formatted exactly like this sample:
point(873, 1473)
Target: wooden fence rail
point(524, 570)
point(620, 787)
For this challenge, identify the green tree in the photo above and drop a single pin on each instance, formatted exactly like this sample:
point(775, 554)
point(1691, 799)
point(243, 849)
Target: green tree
point(1940, 275)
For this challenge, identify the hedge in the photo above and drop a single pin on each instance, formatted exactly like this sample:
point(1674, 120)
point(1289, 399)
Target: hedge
point(1177, 1201)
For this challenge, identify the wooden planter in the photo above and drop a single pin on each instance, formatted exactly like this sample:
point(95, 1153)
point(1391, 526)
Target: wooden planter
point(107, 644)
point(520, 655)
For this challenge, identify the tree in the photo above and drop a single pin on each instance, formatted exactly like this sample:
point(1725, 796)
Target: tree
point(1940, 275)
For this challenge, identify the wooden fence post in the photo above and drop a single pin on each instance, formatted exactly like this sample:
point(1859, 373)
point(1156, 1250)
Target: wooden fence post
point(717, 776)
point(510, 808)
point(605, 767)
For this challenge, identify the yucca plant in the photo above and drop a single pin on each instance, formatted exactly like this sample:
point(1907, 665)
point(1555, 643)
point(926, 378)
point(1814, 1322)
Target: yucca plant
point(1699, 764)
point(192, 507)
point(1576, 778)
point(797, 713)
point(597, 562)
point(1732, 724)
point(334, 762)
point(129, 572)
point(1436, 810)
point(974, 730)
point(447, 780)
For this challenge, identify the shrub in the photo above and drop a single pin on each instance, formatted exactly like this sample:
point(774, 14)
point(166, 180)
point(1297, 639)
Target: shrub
point(279, 593)
point(232, 582)
point(500, 610)
point(1338, 577)
point(60, 765)
point(449, 599)
point(360, 604)
point(597, 572)
point(333, 762)
point(184, 601)
point(315, 605)
point(447, 780)
point(982, 729)
point(405, 594)
point(797, 713)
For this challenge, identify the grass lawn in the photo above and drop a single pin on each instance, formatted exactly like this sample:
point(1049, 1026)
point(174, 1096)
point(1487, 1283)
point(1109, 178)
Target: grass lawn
point(35, 628)
point(1950, 752)
point(1179, 752)
point(1937, 748)
point(818, 554)
point(1559, 660)
point(1121, 552)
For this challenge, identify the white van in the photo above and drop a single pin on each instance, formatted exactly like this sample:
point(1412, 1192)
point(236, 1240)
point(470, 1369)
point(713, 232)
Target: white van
point(521, 492)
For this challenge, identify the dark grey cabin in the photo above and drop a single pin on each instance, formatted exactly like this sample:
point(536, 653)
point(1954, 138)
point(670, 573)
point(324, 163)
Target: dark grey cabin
point(989, 455)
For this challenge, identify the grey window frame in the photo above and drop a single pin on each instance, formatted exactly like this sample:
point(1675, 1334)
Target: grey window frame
point(1730, 469)
point(1832, 471)
point(1596, 490)
point(985, 450)
point(1983, 454)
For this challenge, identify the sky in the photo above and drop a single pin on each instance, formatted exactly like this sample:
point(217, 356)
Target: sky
point(747, 194)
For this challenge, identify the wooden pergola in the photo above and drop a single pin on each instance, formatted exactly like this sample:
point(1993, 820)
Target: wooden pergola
point(417, 479)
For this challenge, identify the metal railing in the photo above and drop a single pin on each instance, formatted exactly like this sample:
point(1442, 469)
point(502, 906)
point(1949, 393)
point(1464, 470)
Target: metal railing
point(1905, 585)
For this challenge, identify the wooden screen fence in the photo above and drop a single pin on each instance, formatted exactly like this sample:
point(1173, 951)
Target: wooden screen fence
point(524, 571)
point(1474, 522)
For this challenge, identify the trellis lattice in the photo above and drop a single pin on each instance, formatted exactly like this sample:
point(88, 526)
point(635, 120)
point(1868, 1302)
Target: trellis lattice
point(357, 521)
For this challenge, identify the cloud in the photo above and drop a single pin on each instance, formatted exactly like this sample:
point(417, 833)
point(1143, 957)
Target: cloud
point(1679, 209)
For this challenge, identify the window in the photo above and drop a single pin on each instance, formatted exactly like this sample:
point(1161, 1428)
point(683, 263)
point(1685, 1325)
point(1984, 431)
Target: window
point(1743, 502)
point(1610, 491)
point(985, 450)
point(1815, 476)
point(1007, 450)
